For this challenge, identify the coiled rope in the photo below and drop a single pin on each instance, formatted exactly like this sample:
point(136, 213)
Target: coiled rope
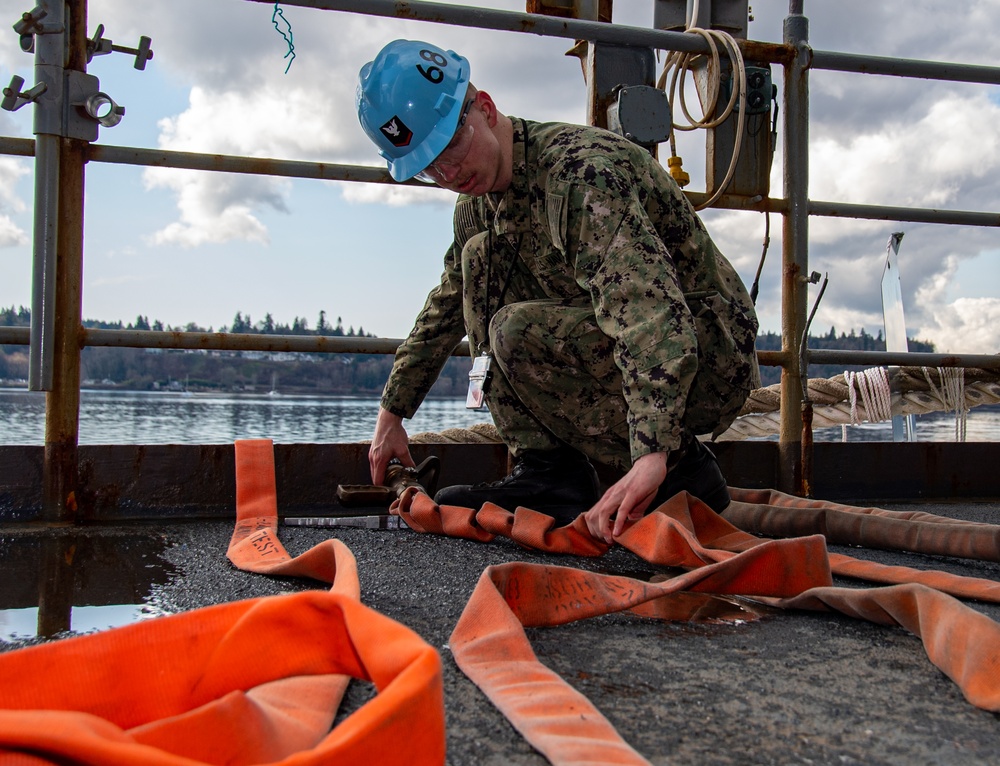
point(921, 390)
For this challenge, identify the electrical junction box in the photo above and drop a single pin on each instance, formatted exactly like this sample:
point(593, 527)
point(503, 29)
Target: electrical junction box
point(752, 176)
point(641, 113)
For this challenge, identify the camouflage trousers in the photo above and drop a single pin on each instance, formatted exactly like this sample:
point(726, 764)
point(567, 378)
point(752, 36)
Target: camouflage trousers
point(554, 378)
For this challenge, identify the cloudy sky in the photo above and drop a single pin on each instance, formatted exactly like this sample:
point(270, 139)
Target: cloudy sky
point(186, 247)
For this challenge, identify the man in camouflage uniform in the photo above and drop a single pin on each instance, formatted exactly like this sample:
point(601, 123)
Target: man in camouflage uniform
point(617, 330)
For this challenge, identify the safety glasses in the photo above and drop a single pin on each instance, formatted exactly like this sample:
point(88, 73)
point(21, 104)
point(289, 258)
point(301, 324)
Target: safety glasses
point(445, 165)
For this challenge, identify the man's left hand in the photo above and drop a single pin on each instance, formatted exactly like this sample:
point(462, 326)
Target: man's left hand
point(628, 498)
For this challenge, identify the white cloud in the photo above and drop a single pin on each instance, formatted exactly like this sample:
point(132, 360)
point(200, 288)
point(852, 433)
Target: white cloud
point(921, 164)
point(962, 326)
point(11, 235)
point(216, 208)
point(966, 326)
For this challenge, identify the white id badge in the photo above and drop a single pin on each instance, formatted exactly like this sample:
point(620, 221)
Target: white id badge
point(479, 381)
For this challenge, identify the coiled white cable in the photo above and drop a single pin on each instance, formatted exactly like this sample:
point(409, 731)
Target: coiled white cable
point(679, 64)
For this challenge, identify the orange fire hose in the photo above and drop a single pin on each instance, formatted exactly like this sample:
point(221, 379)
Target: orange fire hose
point(249, 682)
point(775, 514)
point(490, 646)
point(258, 681)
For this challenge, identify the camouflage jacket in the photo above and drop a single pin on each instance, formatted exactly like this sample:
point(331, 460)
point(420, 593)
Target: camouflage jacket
point(600, 221)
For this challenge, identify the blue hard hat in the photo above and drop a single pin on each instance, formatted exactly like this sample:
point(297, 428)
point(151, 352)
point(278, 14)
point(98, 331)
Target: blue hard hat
point(409, 100)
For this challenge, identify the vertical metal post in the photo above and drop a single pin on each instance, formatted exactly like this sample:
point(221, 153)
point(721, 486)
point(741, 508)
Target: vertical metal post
point(50, 58)
point(795, 246)
point(62, 404)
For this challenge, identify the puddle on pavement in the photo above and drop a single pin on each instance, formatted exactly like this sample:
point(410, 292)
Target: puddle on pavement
point(703, 608)
point(687, 607)
point(55, 582)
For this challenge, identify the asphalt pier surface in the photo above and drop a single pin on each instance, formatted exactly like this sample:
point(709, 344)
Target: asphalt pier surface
point(742, 685)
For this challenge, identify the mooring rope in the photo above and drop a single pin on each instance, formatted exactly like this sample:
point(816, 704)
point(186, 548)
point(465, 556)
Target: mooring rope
point(922, 390)
point(873, 385)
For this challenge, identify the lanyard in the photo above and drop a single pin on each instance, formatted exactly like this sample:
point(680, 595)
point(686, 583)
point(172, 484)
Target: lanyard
point(483, 346)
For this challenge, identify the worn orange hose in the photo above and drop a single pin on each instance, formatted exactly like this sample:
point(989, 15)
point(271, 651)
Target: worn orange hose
point(775, 514)
point(490, 646)
point(250, 682)
point(535, 530)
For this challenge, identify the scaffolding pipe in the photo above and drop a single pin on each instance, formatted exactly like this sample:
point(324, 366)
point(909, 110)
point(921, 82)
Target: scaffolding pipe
point(50, 58)
point(19, 147)
point(795, 248)
point(60, 471)
point(43, 263)
point(222, 163)
point(226, 341)
point(904, 214)
point(882, 65)
point(515, 21)
point(335, 344)
point(903, 358)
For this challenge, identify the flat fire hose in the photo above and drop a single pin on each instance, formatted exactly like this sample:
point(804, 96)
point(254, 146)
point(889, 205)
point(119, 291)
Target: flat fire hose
point(249, 682)
point(279, 705)
point(490, 646)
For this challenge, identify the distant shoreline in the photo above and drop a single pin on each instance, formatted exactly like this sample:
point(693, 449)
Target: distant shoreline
point(22, 386)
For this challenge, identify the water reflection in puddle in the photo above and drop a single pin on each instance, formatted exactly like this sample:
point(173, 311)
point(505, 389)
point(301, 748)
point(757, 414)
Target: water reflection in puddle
point(694, 608)
point(56, 581)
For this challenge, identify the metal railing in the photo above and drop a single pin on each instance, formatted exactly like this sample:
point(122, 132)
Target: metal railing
point(57, 334)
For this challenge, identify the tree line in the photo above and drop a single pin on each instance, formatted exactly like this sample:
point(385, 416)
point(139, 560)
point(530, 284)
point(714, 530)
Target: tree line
point(21, 317)
point(240, 371)
point(310, 373)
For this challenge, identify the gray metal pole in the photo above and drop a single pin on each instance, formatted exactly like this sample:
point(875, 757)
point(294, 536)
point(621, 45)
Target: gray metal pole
point(43, 277)
point(795, 246)
point(936, 70)
point(50, 59)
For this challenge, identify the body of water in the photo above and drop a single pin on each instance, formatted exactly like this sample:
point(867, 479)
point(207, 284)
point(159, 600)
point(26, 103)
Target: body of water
point(151, 417)
point(141, 417)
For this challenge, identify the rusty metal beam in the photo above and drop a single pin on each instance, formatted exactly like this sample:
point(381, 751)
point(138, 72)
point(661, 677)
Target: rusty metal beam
point(903, 359)
point(328, 344)
point(795, 250)
point(62, 401)
point(221, 163)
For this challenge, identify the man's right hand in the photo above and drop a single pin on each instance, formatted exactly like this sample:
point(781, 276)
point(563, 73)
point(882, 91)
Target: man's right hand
point(389, 441)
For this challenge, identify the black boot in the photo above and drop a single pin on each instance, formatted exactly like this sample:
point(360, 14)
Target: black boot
point(560, 483)
point(697, 472)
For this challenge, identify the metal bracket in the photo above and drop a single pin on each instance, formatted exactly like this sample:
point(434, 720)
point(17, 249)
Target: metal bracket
point(31, 25)
point(90, 107)
point(14, 98)
point(99, 45)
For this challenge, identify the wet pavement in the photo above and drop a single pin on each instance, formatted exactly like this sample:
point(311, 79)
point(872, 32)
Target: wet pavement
point(743, 685)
